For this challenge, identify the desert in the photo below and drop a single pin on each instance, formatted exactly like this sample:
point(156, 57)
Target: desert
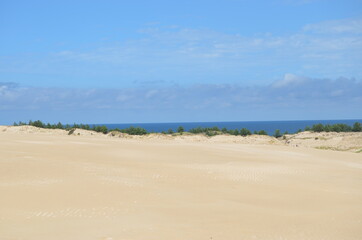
point(90, 185)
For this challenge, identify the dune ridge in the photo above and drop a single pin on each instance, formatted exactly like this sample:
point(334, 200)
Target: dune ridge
point(343, 141)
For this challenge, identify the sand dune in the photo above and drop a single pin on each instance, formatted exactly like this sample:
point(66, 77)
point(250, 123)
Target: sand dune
point(94, 186)
point(348, 141)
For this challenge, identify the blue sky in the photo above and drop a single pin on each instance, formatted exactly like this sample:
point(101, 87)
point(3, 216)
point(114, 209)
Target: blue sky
point(161, 61)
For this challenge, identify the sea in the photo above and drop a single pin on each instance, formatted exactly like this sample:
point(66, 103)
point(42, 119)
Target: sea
point(268, 126)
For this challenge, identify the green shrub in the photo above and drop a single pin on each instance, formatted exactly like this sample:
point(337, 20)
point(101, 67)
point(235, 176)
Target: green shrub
point(318, 127)
point(37, 123)
point(59, 126)
point(215, 129)
point(244, 132)
point(180, 129)
point(357, 127)
point(134, 131)
point(197, 130)
point(211, 133)
point(234, 132)
point(262, 132)
point(340, 128)
point(207, 131)
point(102, 129)
point(277, 133)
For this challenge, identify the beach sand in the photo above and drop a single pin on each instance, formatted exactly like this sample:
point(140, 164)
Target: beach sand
point(93, 186)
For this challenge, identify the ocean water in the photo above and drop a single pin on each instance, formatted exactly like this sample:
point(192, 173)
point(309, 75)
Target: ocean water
point(268, 126)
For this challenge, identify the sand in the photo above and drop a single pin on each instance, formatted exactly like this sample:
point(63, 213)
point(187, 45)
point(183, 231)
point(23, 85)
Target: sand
point(349, 141)
point(93, 186)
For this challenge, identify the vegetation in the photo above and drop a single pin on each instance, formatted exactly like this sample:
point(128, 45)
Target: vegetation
point(180, 129)
point(277, 133)
point(59, 125)
point(262, 132)
point(357, 127)
point(244, 132)
point(339, 127)
point(204, 130)
point(208, 131)
point(134, 131)
point(102, 129)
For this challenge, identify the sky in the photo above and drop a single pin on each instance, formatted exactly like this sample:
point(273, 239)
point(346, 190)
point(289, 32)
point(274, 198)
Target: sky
point(180, 61)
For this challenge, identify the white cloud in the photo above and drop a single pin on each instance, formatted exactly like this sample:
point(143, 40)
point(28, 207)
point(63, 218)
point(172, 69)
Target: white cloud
point(206, 51)
point(351, 26)
point(294, 97)
point(291, 90)
point(8, 92)
point(288, 80)
point(185, 56)
point(151, 93)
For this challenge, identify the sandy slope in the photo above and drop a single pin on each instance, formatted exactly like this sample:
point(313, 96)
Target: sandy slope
point(55, 186)
point(349, 141)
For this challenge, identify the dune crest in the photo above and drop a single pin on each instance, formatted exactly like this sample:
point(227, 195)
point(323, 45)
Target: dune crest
point(344, 141)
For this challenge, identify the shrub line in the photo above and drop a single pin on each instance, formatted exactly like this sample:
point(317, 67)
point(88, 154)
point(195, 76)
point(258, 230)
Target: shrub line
point(213, 131)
